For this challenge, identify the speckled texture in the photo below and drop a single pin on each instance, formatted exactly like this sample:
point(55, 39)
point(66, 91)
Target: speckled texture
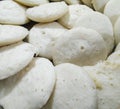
point(74, 89)
point(79, 46)
point(30, 88)
point(44, 36)
point(101, 24)
point(106, 76)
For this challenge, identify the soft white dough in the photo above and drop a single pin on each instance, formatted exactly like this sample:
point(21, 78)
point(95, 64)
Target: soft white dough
point(32, 2)
point(70, 2)
point(12, 13)
point(101, 24)
point(112, 10)
point(106, 76)
point(117, 31)
point(74, 89)
point(44, 36)
point(30, 88)
point(14, 58)
point(47, 12)
point(75, 11)
point(99, 4)
point(10, 34)
point(80, 46)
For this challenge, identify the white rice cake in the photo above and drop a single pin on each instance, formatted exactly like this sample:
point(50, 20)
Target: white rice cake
point(32, 2)
point(30, 88)
point(44, 36)
point(14, 58)
point(74, 89)
point(101, 24)
point(12, 13)
point(99, 4)
point(10, 34)
point(107, 79)
point(112, 10)
point(80, 46)
point(75, 11)
point(47, 12)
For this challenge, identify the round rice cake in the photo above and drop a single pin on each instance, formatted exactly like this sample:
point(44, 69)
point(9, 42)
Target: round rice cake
point(30, 88)
point(104, 27)
point(106, 76)
point(75, 11)
point(99, 4)
point(10, 34)
point(47, 12)
point(44, 36)
point(12, 13)
point(112, 10)
point(74, 89)
point(14, 58)
point(80, 46)
point(32, 2)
